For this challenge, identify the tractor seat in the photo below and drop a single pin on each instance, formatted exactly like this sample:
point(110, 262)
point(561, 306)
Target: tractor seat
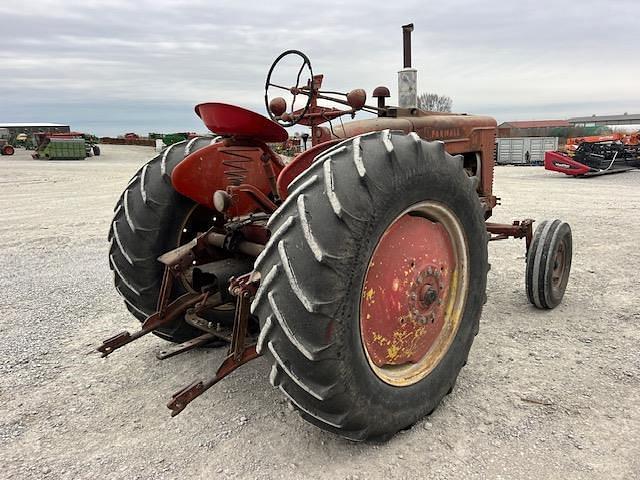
point(224, 119)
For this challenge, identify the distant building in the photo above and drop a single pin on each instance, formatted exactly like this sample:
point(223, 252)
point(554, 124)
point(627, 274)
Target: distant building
point(605, 120)
point(35, 127)
point(533, 128)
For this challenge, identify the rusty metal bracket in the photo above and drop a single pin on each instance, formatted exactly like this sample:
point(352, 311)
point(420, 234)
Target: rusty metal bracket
point(174, 350)
point(176, 261)
point(519, 229)
point(268, 171)
point(181, 399)
point(182, 257)
point(256, 195)
point(244, 288)
point(164, 316)
point(217, 330)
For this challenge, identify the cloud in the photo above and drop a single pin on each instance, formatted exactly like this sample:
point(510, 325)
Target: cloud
point(136, 65)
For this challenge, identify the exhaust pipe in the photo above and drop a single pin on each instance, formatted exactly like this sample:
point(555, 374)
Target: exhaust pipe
point(407, 77)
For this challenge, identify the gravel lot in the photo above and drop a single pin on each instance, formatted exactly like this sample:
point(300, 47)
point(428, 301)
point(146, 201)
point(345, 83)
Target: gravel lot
point(544, 395)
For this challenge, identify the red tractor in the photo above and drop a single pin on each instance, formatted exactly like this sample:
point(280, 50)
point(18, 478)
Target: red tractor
point(359, 268)
point(6, 148)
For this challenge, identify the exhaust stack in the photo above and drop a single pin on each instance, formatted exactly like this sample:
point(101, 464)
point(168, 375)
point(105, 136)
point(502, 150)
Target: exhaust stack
point(407, 77)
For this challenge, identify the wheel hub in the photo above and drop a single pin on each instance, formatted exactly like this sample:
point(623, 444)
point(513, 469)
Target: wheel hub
point(425, 295)
point(557, 272)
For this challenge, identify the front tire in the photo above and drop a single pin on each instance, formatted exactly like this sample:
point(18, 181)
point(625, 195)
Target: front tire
point(549, 264)
point(312, 301)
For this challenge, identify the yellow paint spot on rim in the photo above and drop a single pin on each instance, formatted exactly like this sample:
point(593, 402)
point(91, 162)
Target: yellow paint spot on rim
point(369, 295)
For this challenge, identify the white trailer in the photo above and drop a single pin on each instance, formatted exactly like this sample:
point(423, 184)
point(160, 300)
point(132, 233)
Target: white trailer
point(524, 150)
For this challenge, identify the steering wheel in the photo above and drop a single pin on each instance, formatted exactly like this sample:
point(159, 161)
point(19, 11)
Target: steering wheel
point(278, 106)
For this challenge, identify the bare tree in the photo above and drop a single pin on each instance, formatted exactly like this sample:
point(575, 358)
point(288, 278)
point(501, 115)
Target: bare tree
point(434, 102)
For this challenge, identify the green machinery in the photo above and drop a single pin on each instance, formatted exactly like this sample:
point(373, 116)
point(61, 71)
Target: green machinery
point(171, 138)
point(65, 146)
point(61, 149)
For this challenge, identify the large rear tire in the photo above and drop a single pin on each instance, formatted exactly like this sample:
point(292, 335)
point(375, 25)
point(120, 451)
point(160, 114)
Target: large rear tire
point(150, 219)
point(317, 269)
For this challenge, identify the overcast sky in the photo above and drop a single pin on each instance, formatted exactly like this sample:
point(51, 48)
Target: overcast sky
point(118, 66)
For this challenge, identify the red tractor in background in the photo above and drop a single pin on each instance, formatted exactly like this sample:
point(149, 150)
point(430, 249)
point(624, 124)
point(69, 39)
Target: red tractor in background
point(359, 268)
point(6, 148)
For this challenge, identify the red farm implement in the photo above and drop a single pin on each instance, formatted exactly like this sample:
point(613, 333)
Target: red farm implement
point(359, 268)
point(597, 155)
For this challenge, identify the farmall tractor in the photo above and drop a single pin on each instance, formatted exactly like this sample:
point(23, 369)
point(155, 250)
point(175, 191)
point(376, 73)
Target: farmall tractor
point(359, 268)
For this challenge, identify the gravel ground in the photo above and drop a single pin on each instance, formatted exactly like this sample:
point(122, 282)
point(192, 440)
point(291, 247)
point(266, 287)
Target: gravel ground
point(544, 395)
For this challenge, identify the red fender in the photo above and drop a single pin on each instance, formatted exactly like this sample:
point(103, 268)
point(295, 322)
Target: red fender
point(299, 165)
point(217, 167)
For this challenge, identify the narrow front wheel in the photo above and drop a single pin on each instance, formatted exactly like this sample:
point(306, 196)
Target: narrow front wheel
point(549, 264)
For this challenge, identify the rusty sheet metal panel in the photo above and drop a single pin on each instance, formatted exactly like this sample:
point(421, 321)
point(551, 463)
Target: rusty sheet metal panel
point(358, 127)
point(464, 134)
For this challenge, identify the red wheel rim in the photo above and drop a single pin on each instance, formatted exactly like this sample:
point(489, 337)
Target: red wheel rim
point(558, 266)
point(413, 293)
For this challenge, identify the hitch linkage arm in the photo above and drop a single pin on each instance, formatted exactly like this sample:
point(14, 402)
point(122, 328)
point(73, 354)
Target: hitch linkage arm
point(244, 288)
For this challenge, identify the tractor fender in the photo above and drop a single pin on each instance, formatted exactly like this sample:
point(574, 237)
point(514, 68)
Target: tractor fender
point(216, 167)
point(300, 164)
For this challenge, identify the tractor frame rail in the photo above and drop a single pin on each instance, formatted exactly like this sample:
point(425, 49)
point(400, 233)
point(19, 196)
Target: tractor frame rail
point(519, 229)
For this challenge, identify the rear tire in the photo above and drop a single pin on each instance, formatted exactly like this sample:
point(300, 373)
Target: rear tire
point(96, 150)
point(148, 221)
point(549, 264)
point(8, 150)
point(313, 271)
